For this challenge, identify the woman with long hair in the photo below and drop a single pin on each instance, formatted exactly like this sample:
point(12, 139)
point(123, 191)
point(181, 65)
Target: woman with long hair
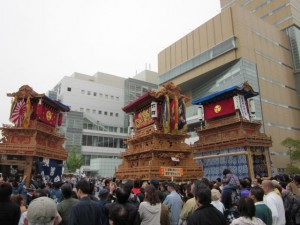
point(150, 208)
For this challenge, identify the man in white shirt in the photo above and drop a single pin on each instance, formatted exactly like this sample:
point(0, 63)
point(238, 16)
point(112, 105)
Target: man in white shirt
point(274, 202)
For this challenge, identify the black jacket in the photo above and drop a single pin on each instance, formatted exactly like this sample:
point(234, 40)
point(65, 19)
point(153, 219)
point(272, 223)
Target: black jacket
point(9, 213)
point(86, 212)
point(206, 215)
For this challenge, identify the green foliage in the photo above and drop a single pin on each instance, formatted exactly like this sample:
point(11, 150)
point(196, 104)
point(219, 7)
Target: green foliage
point(291, 169)
point(74, 161)
point(293, 146)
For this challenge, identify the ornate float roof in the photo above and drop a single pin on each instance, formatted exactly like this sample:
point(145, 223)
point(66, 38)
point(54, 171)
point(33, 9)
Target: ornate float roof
point(169, 89)
point(243, 89)
point(26, 91)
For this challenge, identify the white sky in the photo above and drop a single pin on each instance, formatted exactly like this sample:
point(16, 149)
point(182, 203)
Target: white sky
point(43, 40)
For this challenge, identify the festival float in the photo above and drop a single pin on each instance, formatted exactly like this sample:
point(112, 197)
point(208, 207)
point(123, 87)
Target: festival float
point(33, 145)
point(229, 135)
point(156, 147)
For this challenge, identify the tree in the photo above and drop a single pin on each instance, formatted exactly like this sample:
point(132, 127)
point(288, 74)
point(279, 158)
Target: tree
point(74, 160)
point(293, 169)
point(293, 146)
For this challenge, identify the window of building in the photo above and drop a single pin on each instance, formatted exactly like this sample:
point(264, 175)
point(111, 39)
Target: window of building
point(87, 110)
point(69, 89)
point(82, 91)
point(81, 109)
point(99, 112)
point(89, 93)
point(117, 114)
point(94, 111)
point(95, 93)
point(106, 96)
point(101, 95)
point(111, 114)
point(105, 113)
point(117, 98)
point(111, 97)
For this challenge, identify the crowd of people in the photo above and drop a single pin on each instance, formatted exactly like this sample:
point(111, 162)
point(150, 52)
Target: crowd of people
point(98, 201)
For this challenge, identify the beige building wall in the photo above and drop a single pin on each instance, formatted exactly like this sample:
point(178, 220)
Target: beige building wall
point(279, 13)
point(259, 42)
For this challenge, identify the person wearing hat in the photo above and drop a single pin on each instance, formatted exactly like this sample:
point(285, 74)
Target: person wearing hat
point(42, 211)
point(65, 206)
point(174, 203)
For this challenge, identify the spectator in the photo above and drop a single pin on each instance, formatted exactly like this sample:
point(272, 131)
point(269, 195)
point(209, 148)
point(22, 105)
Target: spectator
point(112, 192)
point(103, 195)
point(122, 194)
point(294, 186)
point(244, 192)
point(136, 187)
point(56, 194)
point(65, 206)
point(274, 202)
point(174, 203)
point(291, 201)
point(205, 213)
point(247, 213)
point(216, 197)
point(230, 179)
point(262, 211)
point(118, 215)
point(164, 216)
point(42, 211)
point(18, 188)
point(190, 206)
point(163, 188)
point(150, 209)
point(9, 211)
point(218, 184)
point(19, 199)
point(86, 211)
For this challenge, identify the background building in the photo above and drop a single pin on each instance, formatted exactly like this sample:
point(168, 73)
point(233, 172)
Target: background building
point(96, 125)
point(238, 45)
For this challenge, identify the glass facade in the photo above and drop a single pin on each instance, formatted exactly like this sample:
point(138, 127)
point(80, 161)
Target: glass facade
point(243, 70)
point(101, 141)
point(294, 36)
point(106, 166)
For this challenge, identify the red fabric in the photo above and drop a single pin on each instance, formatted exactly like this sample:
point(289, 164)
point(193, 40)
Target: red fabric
point(46, 115)
point(136, 191)
point(220, 108)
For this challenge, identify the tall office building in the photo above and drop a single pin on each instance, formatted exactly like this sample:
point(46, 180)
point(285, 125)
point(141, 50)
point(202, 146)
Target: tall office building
point(96, 125)
point(258, 43)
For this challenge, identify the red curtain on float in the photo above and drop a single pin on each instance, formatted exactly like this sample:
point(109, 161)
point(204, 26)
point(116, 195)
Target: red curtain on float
point(220, 108)
point(46, 114)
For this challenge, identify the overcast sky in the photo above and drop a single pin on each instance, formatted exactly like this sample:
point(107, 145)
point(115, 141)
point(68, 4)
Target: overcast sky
point(42, 41)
